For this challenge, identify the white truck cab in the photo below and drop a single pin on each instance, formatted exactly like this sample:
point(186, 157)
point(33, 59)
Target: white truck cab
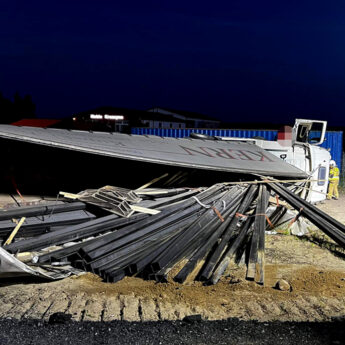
point(299, 146)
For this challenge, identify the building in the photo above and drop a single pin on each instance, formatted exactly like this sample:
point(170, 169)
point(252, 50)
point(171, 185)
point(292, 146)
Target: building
point(158, 120)
point(110, 119)
point(123, 119)
point(190, 119)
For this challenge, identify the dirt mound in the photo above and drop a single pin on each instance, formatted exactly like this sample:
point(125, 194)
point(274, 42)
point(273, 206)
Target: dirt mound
point(316, 295)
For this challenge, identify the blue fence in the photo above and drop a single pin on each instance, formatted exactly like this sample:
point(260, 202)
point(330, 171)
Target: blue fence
point(333, 142)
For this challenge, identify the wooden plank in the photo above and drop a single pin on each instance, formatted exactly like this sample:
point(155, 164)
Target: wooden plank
point(14, 232)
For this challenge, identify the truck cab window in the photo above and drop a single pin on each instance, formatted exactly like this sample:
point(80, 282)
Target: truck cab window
point(322, 176)
point(315, 133)
point(302, 133)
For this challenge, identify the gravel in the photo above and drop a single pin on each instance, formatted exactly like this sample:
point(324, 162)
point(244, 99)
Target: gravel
point(190, 331)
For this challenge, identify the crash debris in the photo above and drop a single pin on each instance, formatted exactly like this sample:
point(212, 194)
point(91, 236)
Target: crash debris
point(114, 232)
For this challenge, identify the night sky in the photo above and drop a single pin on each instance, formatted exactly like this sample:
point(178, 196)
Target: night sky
point(240, 61)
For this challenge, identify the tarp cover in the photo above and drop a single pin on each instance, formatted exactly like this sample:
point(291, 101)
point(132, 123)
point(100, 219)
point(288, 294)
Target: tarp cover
point(11, 267)
point(216, 155)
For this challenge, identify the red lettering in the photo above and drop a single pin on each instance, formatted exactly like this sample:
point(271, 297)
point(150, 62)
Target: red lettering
point(192, 152)
point(261, 155)
point(245, 156)
point(223, 153)
point(228, 153)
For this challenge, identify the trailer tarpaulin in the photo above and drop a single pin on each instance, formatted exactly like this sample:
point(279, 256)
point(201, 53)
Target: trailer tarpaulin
point(11, 267)
point(238, 157)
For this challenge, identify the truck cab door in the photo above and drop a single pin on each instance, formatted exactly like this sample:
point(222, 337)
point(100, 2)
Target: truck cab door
point(309, 132)
point(306, 136)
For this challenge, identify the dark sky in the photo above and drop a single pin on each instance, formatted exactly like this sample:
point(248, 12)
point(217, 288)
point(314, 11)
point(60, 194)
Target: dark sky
point(268, 61)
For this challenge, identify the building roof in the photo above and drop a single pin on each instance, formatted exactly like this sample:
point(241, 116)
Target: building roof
point(156, 116)
point(42, 123)
point(187, 114)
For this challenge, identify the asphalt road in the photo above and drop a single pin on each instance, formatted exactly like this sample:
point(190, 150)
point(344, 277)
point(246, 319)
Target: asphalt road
point(231, 331)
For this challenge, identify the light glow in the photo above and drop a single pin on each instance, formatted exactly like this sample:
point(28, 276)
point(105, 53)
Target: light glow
point(96, 116)
point(114, 117)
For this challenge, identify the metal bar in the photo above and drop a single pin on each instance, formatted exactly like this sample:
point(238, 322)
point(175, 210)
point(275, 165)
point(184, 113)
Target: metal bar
point(277, 187)
point(115, 278)
point(151, 220)
point(105, 244)
point(177, 248)
point(76, 232)
point(254, 246)
point(168, 224)
point(276, 215)
point(201, 253)
point(161, 192)
point(242, 209)
point(206, 244)
point(165, 202)
point(125, 246)
point(262, 226)
point(321, 220)
point(44, 223)
point(125, 262)
point(172, 262)
point(59, 254)
point(231, 250)
point(141, 264)
point(33, 211)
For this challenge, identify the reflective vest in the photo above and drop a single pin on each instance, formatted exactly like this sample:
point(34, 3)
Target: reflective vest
point(333, 173)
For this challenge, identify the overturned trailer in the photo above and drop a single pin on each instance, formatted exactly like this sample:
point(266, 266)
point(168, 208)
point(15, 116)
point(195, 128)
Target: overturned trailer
point(233, 157)
point(212, 225)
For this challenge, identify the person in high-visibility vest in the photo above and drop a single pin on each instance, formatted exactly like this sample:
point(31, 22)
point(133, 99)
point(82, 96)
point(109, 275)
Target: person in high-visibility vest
point(333, 181)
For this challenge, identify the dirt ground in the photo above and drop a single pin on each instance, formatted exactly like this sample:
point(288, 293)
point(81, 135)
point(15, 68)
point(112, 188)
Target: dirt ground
point(315, 274)
point(335, 208)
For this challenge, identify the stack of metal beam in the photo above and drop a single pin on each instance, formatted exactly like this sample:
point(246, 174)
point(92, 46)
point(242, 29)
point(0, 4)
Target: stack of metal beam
point(199, 231)
point(41, 219)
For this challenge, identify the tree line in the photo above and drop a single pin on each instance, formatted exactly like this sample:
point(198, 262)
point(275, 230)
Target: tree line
point(16, 109)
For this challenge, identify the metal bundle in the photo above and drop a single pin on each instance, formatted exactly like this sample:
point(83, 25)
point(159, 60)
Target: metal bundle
point(202, 230)
point(40, 224)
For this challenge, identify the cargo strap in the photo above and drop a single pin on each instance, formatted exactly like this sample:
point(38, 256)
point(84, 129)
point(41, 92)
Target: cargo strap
point(296, 217)
point(254, 215)
point(16, 187)
point(213, 208)
point(218, 214)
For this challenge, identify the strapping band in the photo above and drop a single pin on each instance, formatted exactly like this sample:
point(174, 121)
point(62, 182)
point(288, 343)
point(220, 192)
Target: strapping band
point(296, 217)
point(213, 208)
point(200, 203)
point(254, 215)
point(218, 214)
